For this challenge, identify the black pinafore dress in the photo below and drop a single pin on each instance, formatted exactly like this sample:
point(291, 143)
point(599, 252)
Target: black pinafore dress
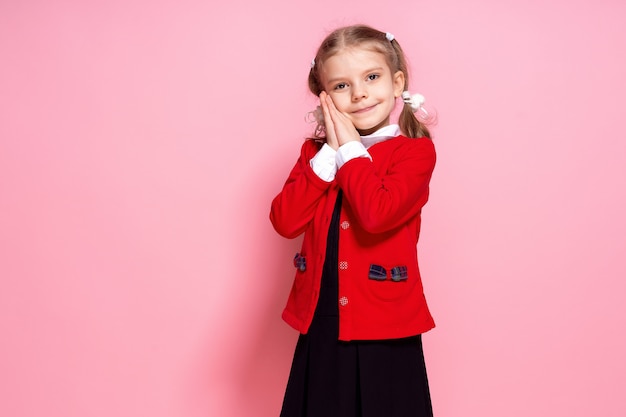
point(332, 378)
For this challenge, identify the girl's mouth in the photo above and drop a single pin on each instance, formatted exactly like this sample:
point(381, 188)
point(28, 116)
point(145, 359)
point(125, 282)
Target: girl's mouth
point(364, 110)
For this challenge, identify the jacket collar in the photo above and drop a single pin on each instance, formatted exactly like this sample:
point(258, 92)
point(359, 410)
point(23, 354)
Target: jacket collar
point(384, 133)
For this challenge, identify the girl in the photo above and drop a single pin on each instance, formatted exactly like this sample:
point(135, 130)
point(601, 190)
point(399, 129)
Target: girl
point(356, 193)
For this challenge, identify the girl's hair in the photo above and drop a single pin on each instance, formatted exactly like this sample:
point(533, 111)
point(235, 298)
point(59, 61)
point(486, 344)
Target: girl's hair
point(377, 41)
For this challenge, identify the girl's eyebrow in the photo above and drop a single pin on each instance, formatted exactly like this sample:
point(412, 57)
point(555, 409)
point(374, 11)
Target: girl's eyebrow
point(334, 80)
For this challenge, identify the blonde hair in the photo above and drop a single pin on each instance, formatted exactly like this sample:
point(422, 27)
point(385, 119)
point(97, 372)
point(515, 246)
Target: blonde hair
point(368, 37)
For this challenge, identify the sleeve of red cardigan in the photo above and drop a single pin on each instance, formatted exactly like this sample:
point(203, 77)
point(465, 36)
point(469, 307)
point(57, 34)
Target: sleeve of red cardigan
point(384, 202)
point(294, 207)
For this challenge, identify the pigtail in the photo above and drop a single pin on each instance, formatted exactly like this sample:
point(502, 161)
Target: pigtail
point(316, 116)
point(409, 124)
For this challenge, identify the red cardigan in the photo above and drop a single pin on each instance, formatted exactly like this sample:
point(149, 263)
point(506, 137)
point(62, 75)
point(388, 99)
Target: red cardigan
point(379, 227)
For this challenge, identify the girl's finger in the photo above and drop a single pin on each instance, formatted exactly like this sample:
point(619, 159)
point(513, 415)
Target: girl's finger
point(331, 107)
point(331, 137)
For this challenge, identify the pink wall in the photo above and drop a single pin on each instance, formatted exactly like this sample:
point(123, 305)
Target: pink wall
point(140, 275)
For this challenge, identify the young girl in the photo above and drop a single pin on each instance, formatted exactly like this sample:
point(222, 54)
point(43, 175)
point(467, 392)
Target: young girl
point(356, 192)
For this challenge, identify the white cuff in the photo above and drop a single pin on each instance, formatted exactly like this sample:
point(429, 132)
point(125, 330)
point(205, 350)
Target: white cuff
point(351, 150)
point(323, 163)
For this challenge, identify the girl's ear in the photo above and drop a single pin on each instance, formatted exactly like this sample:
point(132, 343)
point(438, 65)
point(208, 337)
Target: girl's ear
point(398, 83)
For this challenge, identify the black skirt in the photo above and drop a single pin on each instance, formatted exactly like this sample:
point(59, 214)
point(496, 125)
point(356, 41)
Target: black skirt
point(331, 378)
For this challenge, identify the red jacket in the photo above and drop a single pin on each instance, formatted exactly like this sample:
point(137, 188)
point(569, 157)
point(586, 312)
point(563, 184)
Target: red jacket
point(379, 227)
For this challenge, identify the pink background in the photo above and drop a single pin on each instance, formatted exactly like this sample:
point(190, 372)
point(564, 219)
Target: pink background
point(141, 143)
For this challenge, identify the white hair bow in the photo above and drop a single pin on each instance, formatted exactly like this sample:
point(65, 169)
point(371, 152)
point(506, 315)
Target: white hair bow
point(416, 101)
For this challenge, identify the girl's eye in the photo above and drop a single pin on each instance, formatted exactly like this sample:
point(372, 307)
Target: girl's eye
point(340, 86)
point(372, 77)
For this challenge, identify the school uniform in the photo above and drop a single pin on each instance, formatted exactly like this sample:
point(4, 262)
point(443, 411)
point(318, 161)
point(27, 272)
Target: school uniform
point(357, 298)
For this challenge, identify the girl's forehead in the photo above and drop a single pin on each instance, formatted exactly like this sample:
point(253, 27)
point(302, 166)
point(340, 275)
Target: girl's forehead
point(354, 57)
point(363, 48)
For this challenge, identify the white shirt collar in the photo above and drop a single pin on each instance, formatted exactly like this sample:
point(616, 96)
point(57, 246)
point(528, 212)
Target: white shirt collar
point(384, 133)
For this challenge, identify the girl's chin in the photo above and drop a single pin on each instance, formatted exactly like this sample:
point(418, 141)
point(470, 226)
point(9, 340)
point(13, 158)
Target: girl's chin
point(366, 132)
point(369, 130)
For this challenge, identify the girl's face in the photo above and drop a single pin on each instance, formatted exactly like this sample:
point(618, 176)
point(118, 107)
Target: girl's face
point(361, 85)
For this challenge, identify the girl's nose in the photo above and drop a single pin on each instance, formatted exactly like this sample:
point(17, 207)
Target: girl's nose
point(359, 92)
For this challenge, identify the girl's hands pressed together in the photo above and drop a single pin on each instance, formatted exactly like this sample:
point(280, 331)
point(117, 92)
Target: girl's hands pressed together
point(339, 129)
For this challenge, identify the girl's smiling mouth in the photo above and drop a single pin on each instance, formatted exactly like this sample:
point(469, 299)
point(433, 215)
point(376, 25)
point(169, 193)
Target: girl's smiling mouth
point(364, 110)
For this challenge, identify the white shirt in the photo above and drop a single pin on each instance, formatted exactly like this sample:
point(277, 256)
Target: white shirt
point(327, 161)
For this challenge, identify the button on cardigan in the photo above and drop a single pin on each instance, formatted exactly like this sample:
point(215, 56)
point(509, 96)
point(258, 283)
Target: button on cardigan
point(382, 203)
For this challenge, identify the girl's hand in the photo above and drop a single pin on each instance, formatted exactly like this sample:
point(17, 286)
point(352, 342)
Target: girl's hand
point(331, 137)
point(339, 129)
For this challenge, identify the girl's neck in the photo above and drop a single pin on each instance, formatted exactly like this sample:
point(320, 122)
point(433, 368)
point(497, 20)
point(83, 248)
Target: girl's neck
point(384, 133)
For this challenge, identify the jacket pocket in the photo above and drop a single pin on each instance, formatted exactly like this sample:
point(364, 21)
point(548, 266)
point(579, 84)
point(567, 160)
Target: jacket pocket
point(389, 282)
